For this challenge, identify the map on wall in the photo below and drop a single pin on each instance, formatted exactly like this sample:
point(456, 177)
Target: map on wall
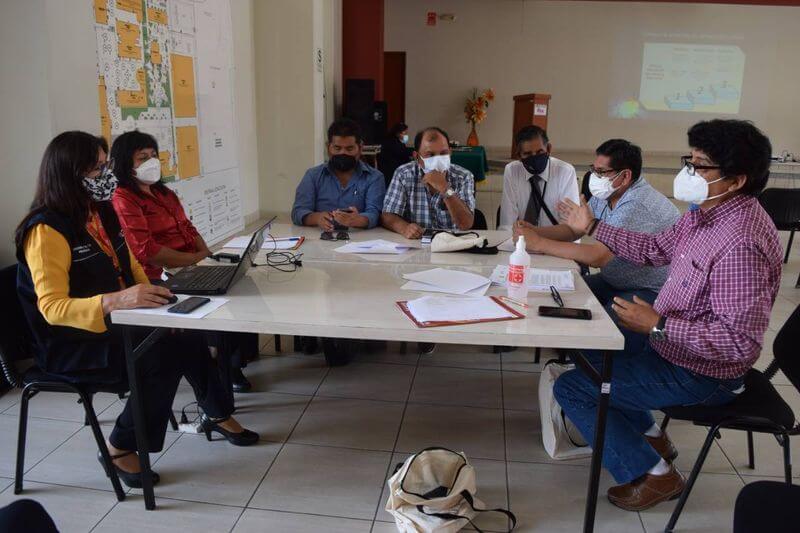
point(165, 68)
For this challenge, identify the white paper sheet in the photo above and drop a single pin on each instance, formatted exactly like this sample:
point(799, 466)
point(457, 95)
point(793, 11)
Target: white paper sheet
point(215, 303)
point(444, 309)
point(417, 286)
point(283, 243)
point(538, 279)
point(377, 246)
point(449, 281)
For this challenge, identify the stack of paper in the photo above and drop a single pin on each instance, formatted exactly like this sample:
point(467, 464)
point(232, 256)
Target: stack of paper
point(270, 243)
point(448, 281)
point(443, 309)
point(538, 279)
point(215, 303)
point(377, 246)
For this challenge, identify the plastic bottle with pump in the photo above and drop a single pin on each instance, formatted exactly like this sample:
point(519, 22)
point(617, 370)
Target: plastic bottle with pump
point(518, 265)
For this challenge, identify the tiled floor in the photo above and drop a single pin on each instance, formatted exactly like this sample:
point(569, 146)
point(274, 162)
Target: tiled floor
point(332, 436)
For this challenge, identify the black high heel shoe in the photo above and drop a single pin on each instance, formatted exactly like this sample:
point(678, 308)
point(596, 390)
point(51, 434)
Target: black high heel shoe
point(243, 438)
point(131, 479)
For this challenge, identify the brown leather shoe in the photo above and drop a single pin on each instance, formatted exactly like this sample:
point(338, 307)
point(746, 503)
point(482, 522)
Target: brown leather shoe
point(647, 491)
point(663, 446)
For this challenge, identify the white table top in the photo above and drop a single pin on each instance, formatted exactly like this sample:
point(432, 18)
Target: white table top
point(315, 249)
point(349, 300)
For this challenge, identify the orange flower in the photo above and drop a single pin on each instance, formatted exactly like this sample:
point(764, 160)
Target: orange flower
point(489, 94)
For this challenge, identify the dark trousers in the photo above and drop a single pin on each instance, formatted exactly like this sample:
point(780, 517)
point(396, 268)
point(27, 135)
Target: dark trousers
point(160, 369)
point(243, 346)
point(26, 515)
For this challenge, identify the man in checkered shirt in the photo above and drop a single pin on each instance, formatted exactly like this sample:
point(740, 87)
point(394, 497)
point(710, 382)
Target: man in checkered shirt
point(429, 192)
point(707, 324)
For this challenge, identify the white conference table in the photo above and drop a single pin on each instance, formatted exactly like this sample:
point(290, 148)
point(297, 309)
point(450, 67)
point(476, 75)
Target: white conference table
point(315, 249)
point(338, 296)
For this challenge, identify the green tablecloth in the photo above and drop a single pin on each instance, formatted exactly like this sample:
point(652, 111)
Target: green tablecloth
point(473, 158)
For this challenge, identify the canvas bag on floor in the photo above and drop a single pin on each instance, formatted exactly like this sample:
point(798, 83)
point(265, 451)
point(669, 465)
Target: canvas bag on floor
point(434, 491)
point(560, 437)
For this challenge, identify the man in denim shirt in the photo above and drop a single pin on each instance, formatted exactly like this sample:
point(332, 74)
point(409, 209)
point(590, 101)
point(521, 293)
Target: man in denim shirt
point(344, 192)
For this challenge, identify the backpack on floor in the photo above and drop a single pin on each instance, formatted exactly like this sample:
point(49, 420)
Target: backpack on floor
point(434, 491)
point(560, 437)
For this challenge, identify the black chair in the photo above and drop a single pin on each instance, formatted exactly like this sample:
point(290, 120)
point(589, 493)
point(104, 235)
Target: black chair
point(759, 409)
point(767, 506)
point(585, 185)
point(479, 220)
point(783, 207)
point(497, 218)
point(16, 345)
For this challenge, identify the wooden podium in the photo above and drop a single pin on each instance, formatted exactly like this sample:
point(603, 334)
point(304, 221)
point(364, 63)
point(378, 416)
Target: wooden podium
point(529, 109)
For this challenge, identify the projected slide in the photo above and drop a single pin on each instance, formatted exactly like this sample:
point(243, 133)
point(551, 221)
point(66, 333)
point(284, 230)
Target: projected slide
point(703, 78)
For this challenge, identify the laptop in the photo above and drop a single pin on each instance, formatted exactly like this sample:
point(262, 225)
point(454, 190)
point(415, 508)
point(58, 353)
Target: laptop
point(217, 279)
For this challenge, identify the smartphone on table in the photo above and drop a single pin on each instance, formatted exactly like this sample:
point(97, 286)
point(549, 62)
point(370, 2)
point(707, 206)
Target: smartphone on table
point(188, 305)
point(565, 312)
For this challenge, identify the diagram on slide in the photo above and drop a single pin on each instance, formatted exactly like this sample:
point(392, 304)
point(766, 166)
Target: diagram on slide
point(164, 68)
point(692, 77)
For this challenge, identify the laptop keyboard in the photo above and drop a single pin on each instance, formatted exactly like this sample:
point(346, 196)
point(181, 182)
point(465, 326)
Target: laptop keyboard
point(209, 278)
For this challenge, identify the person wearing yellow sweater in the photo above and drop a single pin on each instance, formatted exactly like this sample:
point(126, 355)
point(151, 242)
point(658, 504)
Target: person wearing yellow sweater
point(74, 270)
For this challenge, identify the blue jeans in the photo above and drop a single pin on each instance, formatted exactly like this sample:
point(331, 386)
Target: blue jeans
point(605, 294)
point(641, 381)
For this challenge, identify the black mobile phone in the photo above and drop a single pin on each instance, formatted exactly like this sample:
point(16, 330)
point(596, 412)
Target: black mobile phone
point(565, 312)
point(188, 305)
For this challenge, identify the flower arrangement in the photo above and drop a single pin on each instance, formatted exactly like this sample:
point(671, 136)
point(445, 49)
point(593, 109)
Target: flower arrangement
point(475, 111)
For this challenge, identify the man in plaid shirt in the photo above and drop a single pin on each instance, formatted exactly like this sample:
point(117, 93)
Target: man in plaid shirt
point(429, 192)
point(707, 324)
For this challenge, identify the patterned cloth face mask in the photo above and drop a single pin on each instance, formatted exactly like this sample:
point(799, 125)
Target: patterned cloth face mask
point(102, 187)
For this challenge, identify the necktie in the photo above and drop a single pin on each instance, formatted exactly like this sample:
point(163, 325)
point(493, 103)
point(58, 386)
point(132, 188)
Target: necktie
point(534, 204)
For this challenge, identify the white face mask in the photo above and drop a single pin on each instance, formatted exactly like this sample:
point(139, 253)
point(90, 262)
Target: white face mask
point(149, 172)
point(436, 162)
point(405, 138)
point(692, 189)
point(601, 187)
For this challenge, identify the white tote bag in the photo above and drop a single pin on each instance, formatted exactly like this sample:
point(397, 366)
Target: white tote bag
point(560, 437)
point(434, 491)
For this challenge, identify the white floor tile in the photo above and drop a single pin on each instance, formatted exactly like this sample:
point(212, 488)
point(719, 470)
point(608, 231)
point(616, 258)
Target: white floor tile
point(474, 431)
point(521, 359)
point(72, 509)
point(368, 381)
point(75, 463)
point(457, 386)
point(258, 521)
point(709, 508)
point(329, 481)
point(169, 516)
point(458, 356)
point(212, 472)
point(271, 415)
point(552, 498)
point(524, 439)
point(521, 390)
point(292, 374)
point(43, 437)
point(62, 406)
point(364, 424)
point(9, 400)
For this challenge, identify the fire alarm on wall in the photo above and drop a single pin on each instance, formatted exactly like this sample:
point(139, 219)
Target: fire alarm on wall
point(431, 21)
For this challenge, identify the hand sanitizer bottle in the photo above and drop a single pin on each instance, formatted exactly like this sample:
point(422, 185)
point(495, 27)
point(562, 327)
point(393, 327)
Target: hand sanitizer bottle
point(518, 265)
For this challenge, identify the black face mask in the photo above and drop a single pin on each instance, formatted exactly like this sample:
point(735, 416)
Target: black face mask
point(342, 162)
point(535, 164)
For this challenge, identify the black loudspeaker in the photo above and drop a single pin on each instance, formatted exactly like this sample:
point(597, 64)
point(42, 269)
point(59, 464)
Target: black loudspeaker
point(379, 117)
point(359, 98)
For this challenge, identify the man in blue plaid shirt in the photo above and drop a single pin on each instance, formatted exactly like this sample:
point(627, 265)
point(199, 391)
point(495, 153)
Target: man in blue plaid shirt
point(429, 192)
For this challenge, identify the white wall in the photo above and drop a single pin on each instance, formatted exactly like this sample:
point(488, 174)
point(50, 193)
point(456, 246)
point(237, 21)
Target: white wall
point(292, 110)
point(50, 47)
point(567, 49)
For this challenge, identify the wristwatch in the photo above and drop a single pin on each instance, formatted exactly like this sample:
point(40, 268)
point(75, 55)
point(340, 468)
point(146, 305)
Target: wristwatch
point(449, 192)
point(659, 332)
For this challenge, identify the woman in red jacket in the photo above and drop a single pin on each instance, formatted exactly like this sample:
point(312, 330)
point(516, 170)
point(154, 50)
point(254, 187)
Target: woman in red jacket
point(158, 231)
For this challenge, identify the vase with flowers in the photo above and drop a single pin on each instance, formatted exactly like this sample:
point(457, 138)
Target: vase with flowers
point(475, 112)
